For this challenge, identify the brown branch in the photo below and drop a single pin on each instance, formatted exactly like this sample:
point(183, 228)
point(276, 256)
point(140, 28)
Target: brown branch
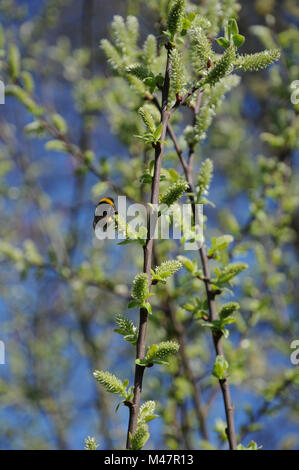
point(196, 392)
point(148, 250)
point(224, 385)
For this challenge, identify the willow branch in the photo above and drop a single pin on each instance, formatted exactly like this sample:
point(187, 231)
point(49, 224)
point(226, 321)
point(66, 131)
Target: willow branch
point(148, 251)
point(224, 384)
point(196, 392)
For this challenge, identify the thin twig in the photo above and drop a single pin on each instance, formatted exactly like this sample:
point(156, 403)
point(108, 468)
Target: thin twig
point(148, 250)
point(196, 392)
point(224, 384)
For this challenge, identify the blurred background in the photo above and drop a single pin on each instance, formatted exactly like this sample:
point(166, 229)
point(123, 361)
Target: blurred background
point(60, 287)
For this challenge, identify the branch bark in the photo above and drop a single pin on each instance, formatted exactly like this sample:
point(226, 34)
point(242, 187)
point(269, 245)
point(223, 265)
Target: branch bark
point(196, 392)
point(217, 339)
point(148, 251)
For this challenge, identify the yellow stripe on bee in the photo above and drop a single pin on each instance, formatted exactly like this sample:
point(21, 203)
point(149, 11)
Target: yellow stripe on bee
point(106, 199)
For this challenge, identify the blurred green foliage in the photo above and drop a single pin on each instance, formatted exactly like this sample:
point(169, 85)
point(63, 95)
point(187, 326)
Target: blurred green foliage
point(61, 288)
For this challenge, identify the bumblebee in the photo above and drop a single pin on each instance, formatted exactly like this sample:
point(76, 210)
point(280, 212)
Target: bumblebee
point(107, 212)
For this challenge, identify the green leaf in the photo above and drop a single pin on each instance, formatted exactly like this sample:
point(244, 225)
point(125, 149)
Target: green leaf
point(186, 24)
point(229, 272)
point(56, 145)
point(257, 61)
point(140, 287)
point(173, 174)
point(157, 133)
point(146, 413)
point(147, 119)
point(148, 307)
point(110, 382)
point(222, 68)
point(223, 42)
point(238, 40)
point(126, 328)
point(24, 98)
point(133, 303)
point(162, 350)
point(228, 309)
point(178, 77)
point(151, 83)
point(157, 81)
point(251, 446)
point(141, 362)
point(175, 17)
point(2, 37)
point(191, 266)
point(220, 368)
point(14, 61)
point(232, 27)
point(139, 71)
point(151, 352)
point(174, 192)
point(219, 244)
point(140, 437)
point(158, 353)
point(165, 270)
point(200, 48)
point(34, 127)
point(90, 443)
point(205, 176)
point(59, 123)
point(27, 80)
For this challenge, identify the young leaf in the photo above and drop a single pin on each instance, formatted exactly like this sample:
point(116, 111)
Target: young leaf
point(200, 48)
point(126, 328)
point(140, 437)
point(223, 42)
point(146, 413)
point(174, 192)
point(56, 145)
point(175, 17)
point(258, 61)
point(165, 270)
point(90, 443)
point(222, 68)
point(111, 383)
point(14, 62)
point(59, 123)
point(178, 79)
point(158, 353)
point(139, 71)
point(147, 119)
point(220, 368)
point(157, 133)
point(205, 176)
point(132, 303)
point(232, 27)
point(140, 287)
point(228, 309)
point(219, 244)
point(24, 98)
point(229, 272)
point(251, 446)
point(238, 40)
